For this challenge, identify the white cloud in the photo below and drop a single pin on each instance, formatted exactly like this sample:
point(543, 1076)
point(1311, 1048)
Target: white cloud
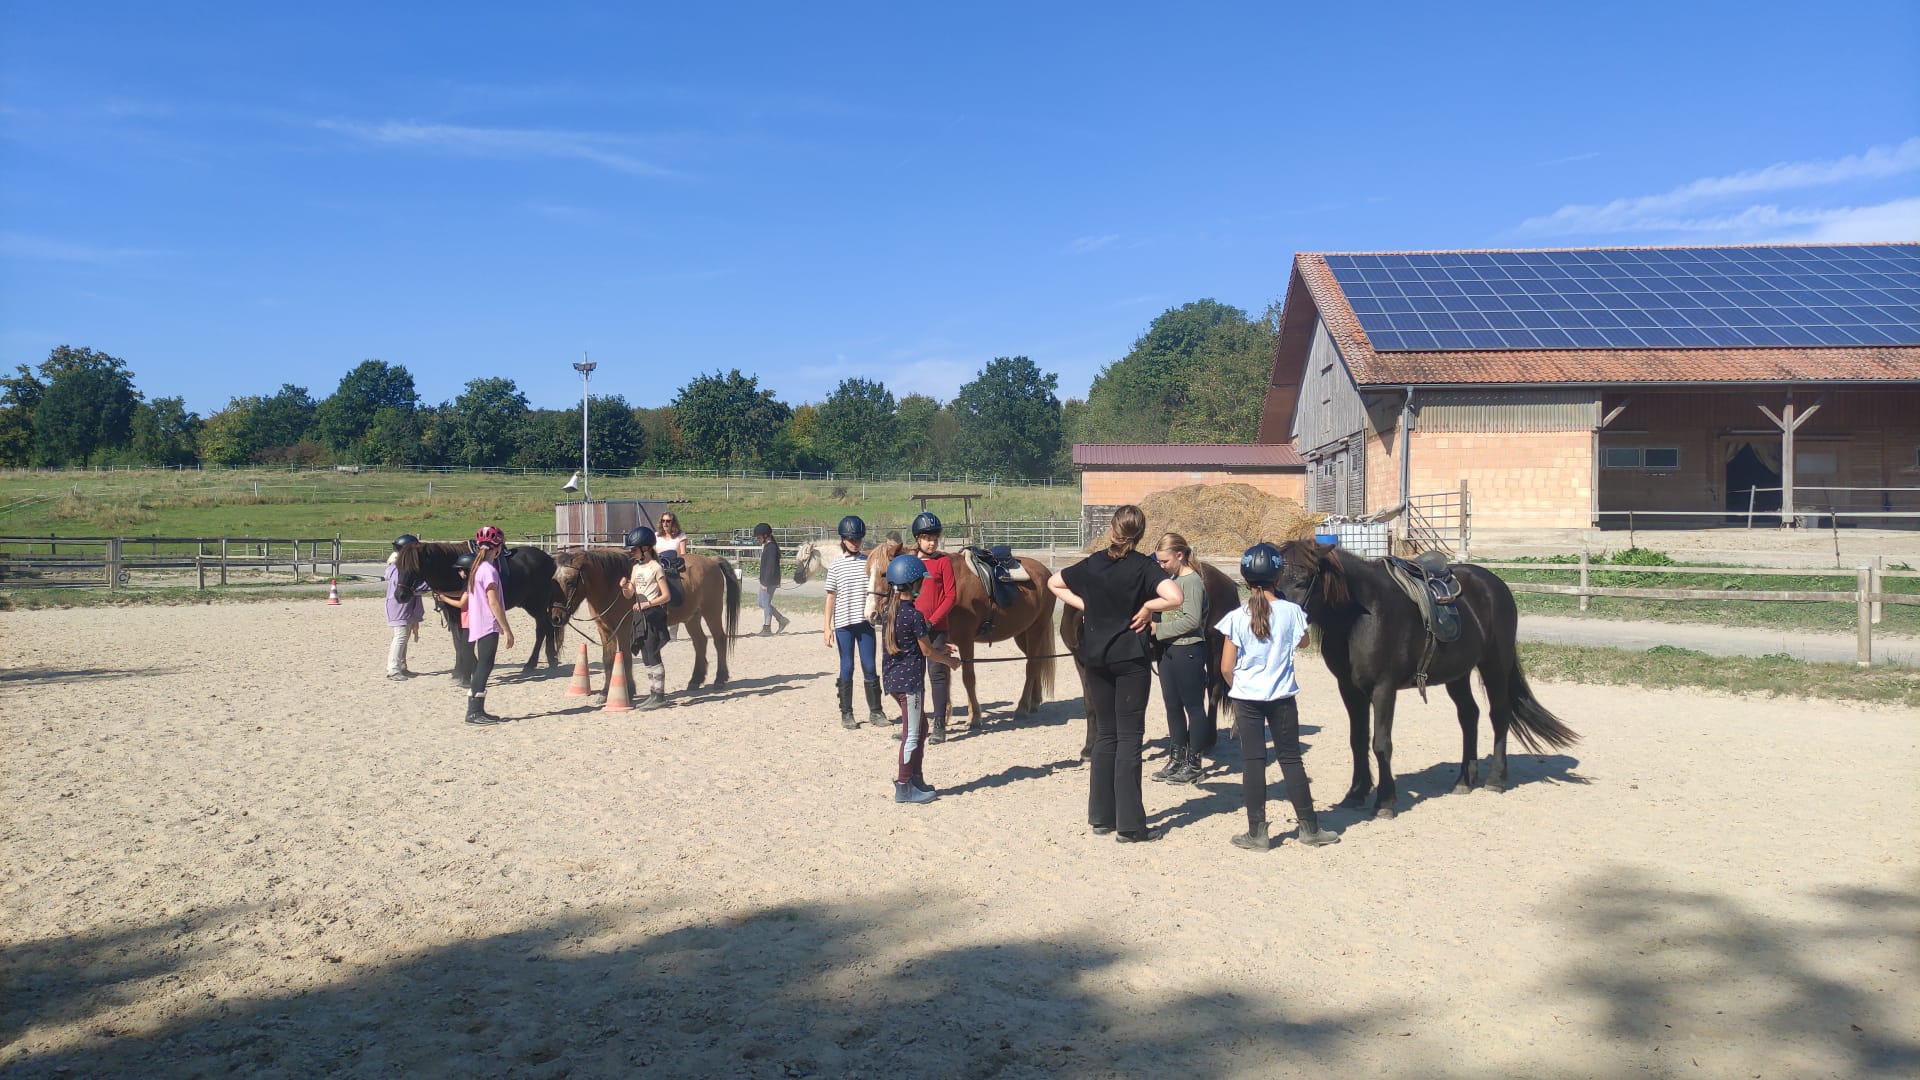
point(1691, 207)
point(17, 246)
point(1081, 245)
point(610, 151)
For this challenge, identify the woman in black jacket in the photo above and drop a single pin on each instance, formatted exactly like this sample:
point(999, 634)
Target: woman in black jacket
point(1119, 590)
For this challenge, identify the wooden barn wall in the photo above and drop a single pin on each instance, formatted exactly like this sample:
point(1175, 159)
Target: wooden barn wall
point(1873, 437)
point(1330, 408)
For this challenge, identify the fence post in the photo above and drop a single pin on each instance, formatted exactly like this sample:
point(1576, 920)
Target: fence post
point(1463, 517)
point(1877, 583)
point(113, 564)
point(223, 562)
point(200, 567)
point(336, 555)
point(1864, 636)
point(1583, 579)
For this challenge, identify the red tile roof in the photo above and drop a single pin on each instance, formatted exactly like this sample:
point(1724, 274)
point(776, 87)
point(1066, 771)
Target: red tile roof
point(1579, 366)
point(1186, 455)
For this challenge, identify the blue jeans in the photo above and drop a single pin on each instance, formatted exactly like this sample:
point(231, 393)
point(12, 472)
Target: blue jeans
point(860, 634)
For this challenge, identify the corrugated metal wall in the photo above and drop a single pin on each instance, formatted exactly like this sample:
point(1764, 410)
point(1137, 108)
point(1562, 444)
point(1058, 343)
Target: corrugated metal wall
point(1507, 410)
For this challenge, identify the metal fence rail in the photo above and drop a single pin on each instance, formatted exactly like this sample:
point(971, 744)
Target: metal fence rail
point(110, 561)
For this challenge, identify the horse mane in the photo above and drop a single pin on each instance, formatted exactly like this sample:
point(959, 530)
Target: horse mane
point(612, 564)
point(411, 560)
point(1309, 556)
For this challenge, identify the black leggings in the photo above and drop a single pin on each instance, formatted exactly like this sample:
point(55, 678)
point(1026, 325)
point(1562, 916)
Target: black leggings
point(484, 651)
point(1183, 688)
point(940, 678)
point(1251, 720)
point(1118, 696)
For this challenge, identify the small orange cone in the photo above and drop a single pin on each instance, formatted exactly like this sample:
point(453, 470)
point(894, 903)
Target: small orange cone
point(582, 684)
point(333, 592)
point(619, 696)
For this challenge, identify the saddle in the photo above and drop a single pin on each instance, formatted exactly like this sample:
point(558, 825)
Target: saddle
point(1429, 582)
point(998, 571)
point(672, 565)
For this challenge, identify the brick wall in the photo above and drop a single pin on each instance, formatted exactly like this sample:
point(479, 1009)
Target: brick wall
point(1518, 479)
point(1117, 487)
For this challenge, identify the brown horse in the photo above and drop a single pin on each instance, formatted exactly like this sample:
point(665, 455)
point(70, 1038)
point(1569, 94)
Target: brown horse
point(1222, 596)
point(1027, 622)
point(711, 606)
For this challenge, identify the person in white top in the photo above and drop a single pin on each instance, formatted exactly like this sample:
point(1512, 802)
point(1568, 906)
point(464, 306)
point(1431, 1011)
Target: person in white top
point(646, 586)
point(1258, 663)
point(670, 540)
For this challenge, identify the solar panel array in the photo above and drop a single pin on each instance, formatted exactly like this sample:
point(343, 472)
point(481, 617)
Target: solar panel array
point(1616, 298)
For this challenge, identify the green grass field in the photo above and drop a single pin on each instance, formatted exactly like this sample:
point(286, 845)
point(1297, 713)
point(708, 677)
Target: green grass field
point(376, 506)
point(1809, 615)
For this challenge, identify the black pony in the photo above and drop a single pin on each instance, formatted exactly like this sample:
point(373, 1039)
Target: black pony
point(1372, 636)
point(529, 587)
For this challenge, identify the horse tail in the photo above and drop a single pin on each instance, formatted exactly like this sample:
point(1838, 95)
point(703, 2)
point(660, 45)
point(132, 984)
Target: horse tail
point(1047, 647)
point(733, 598)
point(1532, 723)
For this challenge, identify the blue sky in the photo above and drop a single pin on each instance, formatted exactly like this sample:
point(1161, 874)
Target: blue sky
point(230, 197)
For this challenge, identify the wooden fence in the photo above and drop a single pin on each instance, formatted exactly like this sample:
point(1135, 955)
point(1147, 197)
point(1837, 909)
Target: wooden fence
point(111, 561)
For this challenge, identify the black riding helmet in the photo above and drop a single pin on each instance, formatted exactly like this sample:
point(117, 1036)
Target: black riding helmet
point(763, 529)
point(639, 537)
point(852, 528)
point(927, 522)
point(404, 540)
point(1260, 565)
point(463, 561)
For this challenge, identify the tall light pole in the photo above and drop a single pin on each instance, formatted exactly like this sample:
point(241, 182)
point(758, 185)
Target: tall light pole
point(586, 373)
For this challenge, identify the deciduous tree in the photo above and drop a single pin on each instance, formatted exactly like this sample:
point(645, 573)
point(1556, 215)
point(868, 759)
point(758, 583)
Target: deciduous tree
point(727, 420)
point(87, 406)
point(858, 430)
point(341, 420)
point(488, 420)
point(165, 433)
point(1009, 418)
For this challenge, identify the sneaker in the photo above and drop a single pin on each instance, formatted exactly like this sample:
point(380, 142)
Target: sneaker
point(398, 676)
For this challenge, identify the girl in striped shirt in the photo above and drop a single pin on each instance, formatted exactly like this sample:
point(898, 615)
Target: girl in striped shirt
point(846, 624)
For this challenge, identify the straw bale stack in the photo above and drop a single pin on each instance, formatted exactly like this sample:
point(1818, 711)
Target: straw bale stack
point(1222, 519)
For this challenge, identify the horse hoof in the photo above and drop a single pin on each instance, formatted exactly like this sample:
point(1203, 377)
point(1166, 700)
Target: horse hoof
point(1496, 787)
point(1353, 802)
point(1384, 813)
point(1461, 788)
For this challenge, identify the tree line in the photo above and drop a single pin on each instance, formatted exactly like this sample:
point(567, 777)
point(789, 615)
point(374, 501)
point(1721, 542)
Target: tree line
point(1198, 374)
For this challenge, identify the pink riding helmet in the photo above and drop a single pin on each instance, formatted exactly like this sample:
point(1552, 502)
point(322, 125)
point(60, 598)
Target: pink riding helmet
point(490, 536)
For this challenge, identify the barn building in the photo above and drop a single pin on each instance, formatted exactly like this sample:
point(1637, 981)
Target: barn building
point(1570, 389)
point(1115, 474)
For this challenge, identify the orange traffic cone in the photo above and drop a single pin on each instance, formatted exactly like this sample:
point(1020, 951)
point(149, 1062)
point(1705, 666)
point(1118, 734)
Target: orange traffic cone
point(619, 696)
point(333, 592)
point(582, 684)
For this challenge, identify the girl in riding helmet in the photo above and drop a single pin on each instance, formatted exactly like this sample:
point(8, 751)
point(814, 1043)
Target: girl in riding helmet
point(647, 588)
point(909, 647)
point(487, 625)
point(1258, 663)
point(846, 626)
point(769, 578)
point(938, 592)
point(404, 612)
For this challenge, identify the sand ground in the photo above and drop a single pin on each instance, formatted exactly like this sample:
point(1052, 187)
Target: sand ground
point(228, 845)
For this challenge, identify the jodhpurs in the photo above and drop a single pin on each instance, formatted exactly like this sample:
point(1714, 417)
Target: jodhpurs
point(397, 653)
point(940, 675)
point(858, 636)
point(767, 610)
point(484, 651)
point(1118, 695)
point(1252, 719)
point(913, 743)
point(1183, 689)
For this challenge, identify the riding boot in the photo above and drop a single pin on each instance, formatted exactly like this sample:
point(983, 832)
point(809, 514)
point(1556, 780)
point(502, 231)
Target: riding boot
point(477, 710)
point(1300, 794)
point(782, 620)
point(1176, 761)
point(920, 781)
point(939, 733)
point(766, 627)
point(1191, 769)
point(845, 688)
point(656, 689)
point(874, 714)
point(1255, 838)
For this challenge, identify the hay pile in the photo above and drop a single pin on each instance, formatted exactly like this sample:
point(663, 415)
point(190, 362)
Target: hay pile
point(1222, 519)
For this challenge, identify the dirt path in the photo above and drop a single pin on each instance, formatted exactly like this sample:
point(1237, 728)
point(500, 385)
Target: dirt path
point(239, 849)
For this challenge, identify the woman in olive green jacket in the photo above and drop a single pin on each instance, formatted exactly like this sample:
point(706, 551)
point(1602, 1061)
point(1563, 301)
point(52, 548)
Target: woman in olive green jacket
point(1180, 635)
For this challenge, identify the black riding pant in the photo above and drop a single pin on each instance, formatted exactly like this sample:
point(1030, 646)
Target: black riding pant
point(650, 635)
point(1183, 688)
point(940, 676)
point(484, 652)
point(1252, 719)
point(1118, 696)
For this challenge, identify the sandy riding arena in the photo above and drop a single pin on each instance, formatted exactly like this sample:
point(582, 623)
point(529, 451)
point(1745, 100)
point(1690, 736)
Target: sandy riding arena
point(228, 845)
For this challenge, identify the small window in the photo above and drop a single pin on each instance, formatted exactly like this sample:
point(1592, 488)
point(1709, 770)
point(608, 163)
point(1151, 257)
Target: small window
point(1819, 463)
point(1623, 457)
point(1661, 457)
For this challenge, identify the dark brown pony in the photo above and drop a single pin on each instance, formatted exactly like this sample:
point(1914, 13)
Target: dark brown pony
point(711, 607)
point(1222, 596)
point(1372, 636)
point(529, 587)
point(1027, 622)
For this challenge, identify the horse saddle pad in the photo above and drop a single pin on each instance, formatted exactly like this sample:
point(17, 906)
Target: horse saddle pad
point(674, 566)
point(1429, 582)
point(998, 577)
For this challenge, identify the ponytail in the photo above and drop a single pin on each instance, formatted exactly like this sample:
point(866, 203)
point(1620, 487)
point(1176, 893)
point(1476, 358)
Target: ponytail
point(1123, 536)
point(891, 617)
point(1259, 612)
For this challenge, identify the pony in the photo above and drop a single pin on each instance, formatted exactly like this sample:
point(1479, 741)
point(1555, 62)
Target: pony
point(812, 557)
point(711, 607)
point(1372, 636)
point(528, 572)
point(1222, 596)
point(974, 620)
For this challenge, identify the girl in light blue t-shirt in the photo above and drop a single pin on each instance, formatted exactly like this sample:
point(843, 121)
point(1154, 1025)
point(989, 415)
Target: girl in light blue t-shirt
point(1258, 662)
